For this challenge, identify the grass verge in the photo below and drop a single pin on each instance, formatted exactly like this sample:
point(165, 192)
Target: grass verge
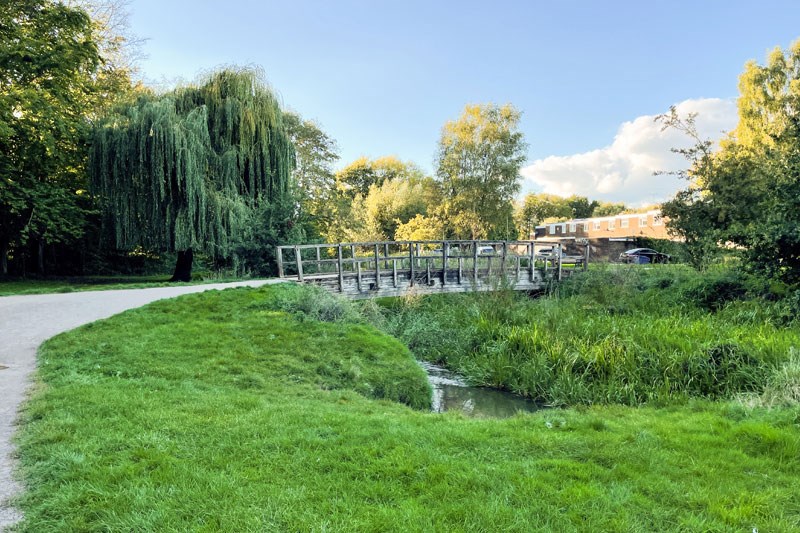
point(242, 411)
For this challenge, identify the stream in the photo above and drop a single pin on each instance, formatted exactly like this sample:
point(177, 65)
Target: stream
point(451, 393)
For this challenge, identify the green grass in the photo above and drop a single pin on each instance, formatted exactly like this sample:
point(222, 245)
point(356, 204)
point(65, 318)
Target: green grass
point(618, 335)
point(259, 410)
point(96, 283)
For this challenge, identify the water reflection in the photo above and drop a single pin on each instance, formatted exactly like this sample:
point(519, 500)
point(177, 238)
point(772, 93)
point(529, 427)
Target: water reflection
point(450, 393)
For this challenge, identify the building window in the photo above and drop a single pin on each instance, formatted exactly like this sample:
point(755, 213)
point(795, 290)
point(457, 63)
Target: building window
point(597, 225)
point(657, 220)
point(623, 223)
point(611, 224)
point(553, 229)
point(643, 222)
point(573, 227)
point(586, 227)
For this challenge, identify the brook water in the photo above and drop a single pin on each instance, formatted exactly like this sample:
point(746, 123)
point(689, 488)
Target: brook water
point(451, 393)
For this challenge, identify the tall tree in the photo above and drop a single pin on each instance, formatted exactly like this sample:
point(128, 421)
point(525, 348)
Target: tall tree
point(48, 60)
point(748, 192)
point(187, 170)
point(478, 162)
point(316, 153)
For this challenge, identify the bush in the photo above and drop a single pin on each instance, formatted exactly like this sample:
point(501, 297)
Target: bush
point(714, 290)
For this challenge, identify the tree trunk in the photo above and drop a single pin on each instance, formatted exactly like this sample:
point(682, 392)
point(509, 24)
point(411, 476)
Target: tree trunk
point(4, 258)
point(40, 257)
point(183, 266)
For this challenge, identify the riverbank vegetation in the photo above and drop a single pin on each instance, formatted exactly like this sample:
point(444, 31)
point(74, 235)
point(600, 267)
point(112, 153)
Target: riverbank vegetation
point(619, 334)
point(283, 409)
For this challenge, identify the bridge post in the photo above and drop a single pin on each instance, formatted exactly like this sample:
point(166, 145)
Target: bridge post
point(280, 261)
point(503, 260)
point(340, 267)
point(533, 262)
point(475, 263)
point(427, 271)
point(299, 258)
point(358, 275)
point(386, 254)
point(394, 273)
point(560, 251)
point(444, 263)
point(377, 268)
point(411, 262)
point(586, 258)
point(460, 265)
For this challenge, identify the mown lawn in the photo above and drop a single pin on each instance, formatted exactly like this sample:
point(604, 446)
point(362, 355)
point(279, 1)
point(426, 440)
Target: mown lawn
point(220, 411)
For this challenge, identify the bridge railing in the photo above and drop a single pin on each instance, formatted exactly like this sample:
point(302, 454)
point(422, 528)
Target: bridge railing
point(424, 261)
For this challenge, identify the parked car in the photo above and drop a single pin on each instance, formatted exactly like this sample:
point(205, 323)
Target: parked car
point(486, 250)
point(550, 252)
point(643, 255)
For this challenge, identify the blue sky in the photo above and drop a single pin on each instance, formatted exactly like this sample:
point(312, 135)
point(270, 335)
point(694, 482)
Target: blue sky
point(383, 77)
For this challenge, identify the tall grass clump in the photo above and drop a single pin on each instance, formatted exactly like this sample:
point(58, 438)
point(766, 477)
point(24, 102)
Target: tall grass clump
point(612, 335)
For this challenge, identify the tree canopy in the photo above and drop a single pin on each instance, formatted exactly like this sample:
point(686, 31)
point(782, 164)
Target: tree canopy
point(747, 193)
point(478, 162)
point(188, 169)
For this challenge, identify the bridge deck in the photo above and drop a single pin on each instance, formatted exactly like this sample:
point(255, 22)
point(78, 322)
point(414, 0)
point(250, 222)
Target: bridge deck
point(375, 269)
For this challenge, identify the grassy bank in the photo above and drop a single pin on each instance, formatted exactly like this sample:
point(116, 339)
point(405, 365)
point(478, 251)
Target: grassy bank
point(616, 335)
point(267, 410)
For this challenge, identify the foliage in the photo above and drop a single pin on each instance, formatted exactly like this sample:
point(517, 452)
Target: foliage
point(218, 412)
point(374, 197)
point(47, 62)
point(607, 209)
point(478, 163)
point(538, 208)
point(191, 168)
point(363, 173)
point(420, 228)
point(747, 194)
point(57, 73)
point(315, 155)
point(395, 202)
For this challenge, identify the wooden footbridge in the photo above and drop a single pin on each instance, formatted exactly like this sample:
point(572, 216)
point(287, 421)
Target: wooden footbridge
point(376, 269)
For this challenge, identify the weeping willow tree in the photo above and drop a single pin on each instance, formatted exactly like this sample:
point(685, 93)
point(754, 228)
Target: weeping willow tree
point(189, 170)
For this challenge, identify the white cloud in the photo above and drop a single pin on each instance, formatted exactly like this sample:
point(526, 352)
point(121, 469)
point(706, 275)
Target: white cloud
point(623, 171)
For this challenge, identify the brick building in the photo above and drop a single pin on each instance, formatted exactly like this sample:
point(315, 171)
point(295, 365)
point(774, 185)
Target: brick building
point(607, 236)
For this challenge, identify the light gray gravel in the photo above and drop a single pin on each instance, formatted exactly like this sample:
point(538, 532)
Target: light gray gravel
point(26, 322)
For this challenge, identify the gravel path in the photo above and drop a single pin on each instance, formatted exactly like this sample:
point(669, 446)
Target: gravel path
point(26, 322)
